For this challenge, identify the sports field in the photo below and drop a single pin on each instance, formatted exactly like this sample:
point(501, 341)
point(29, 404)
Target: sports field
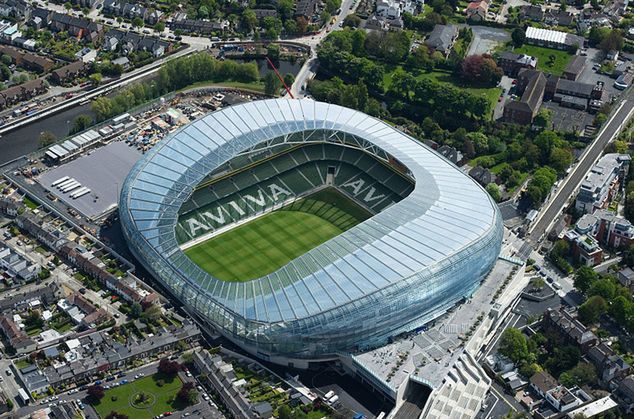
point(271, 241)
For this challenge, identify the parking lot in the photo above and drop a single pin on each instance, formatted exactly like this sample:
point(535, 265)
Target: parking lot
point(485, 39)
point(590, 76)
point(567, 119)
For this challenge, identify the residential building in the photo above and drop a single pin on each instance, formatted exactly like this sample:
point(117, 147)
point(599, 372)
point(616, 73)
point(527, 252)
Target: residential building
point(512, 63)
point(442, 38)
point(552, 39)
point(262, 13)
point(87, 55)
point(531, 12)
point(16, 338)
point(613, 231)
point(22, 92)
point(569, 327)
point(16, 267)
point(610, 366)
point(602, 183)
point(83, 29)
point(626, 278)
point(477, 10)
point(131, 11)
point(585, 248)
point(625, 394)
point(523, 111)
point(306, 8)
point(452, 154)
point(482, 175)
point(16, 9)
point(558, 18)
point(542, 382)
point(69, 72)
point(202, 27)
point(562, 399)
point(574, 68)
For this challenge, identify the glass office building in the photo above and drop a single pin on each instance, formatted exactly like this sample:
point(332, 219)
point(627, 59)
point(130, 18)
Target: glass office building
point(392, 273)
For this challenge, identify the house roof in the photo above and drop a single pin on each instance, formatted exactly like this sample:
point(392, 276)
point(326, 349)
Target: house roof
point(575, 65)
point(441, 37)
point(543, 381)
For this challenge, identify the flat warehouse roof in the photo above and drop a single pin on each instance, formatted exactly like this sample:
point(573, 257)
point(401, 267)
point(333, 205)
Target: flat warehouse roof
point(103, 172)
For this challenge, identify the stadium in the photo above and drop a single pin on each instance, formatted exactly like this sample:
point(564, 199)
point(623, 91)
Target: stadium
point(302, 230)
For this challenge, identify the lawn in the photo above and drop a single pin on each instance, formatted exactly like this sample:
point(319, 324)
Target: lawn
point(491, 93)
point(255, 86)
point(544, 55)
point(30, 203)
point(271, 241)
point(161, 398)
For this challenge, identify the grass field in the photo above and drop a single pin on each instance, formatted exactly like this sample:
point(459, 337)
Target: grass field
point(161, 398)
point(269, 242)
point(543, 55)
point(445, 77)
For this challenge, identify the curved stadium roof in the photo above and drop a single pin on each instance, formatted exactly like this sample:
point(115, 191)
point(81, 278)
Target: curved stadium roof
point(423, 234)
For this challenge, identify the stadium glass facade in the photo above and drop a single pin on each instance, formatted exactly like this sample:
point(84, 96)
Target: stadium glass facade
point(394, 272)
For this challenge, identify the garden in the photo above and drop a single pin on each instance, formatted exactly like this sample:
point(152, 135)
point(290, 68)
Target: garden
point(549, 60)
point(143, 398)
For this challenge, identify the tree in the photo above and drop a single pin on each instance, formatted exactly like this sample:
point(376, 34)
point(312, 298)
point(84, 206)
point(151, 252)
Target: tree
point(621, 309)
point(168, 367)
point(95, 393)
point(271, 84)
point(494, 191)
point(152, 313)
point(592, 309)
point(80, 123)
point(68, 6)
point(289, 79)
point(34, 320)
point(613, 41)
point(5, 72)
point(584, 278)
point(116, 415)
point(352, 21)
point(136, 310)
point(273, 52)
point(137, 22)
point(543, 118)
point(560, 159)
point(518, 36)
point(249, 20)
point(188, 394)
point(563, 6)
point(46, 138)
point(481, 69)
point(203, 12)
point(284, 412)
point(159, 27)
point(513, 345)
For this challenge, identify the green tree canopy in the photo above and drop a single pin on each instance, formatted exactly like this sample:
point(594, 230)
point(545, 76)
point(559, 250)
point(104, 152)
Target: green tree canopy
point(592, 309)
point(513, 345)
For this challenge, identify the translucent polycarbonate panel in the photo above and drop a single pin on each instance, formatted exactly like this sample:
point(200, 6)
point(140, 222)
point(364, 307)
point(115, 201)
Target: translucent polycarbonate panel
point(399, 269)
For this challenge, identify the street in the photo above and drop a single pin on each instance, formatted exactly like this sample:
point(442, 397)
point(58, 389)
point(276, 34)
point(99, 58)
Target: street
point(552, 209)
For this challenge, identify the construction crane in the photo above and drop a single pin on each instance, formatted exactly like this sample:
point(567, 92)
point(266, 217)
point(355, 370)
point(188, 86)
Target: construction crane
point(280, 77)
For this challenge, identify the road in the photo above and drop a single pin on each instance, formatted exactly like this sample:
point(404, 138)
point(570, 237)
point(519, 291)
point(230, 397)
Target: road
point(202, 408)
point(309, 69)
point(551, 210)
point(115, 84)
point(63, 278)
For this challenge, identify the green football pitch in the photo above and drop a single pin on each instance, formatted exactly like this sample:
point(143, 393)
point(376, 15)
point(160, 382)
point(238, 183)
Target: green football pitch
point(267, 243)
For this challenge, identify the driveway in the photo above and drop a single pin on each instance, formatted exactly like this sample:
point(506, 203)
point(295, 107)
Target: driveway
point(485, 39)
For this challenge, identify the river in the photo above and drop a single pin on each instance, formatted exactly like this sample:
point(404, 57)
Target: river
point(25, 140)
